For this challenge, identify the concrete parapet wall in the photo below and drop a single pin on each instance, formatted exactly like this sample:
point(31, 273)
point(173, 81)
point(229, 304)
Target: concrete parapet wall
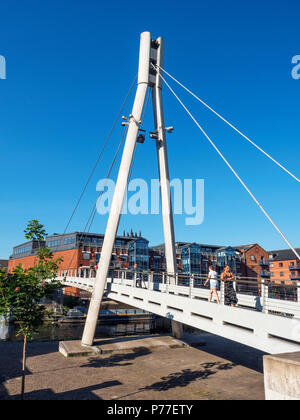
point(282, 376)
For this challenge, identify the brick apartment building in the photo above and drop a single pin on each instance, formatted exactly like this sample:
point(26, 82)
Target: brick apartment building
point(82, 251)
point(254, 261)
point(284, 266)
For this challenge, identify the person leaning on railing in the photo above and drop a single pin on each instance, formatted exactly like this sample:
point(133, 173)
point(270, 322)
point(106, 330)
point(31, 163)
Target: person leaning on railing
point(230, 294)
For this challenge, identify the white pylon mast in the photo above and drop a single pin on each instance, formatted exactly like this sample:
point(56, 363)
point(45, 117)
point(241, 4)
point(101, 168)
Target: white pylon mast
point(164, 176)
point(151, 51)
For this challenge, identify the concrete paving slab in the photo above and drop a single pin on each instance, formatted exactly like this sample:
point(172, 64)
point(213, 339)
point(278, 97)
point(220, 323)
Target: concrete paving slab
point(222, 370)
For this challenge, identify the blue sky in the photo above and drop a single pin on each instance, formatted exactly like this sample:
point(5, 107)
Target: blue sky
point(69, 67)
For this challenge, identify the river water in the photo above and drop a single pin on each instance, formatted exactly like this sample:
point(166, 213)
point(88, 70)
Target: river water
point(74, 329)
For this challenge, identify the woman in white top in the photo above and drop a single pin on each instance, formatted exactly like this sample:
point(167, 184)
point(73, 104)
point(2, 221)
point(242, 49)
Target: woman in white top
point(213, 279)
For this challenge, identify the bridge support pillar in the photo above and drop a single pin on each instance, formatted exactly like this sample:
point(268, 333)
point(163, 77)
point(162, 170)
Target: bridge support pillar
point(177, 330)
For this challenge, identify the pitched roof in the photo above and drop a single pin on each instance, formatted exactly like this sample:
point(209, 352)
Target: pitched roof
point(245, 247)
point(283, 254)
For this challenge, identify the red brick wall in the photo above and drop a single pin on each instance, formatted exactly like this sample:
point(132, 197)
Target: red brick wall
point(251, 266)
point(26, 262)
point(71, 260)
point(278, 267)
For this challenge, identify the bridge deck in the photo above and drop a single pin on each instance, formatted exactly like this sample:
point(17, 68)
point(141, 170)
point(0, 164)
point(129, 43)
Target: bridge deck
point(264, 323)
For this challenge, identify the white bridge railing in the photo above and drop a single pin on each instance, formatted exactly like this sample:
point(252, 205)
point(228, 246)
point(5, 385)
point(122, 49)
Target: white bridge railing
point(262, 295)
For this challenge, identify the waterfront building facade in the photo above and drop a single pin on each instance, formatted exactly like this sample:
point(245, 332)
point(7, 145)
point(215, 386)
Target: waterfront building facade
point(284, 266)
point(81, 252)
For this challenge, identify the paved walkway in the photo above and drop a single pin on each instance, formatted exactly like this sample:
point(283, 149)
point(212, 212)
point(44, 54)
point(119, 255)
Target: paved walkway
point(220, 370)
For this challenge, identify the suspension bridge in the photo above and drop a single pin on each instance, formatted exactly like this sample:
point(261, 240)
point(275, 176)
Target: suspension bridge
point(264, 319)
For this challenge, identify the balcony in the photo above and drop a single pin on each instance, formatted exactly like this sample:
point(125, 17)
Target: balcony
point(265, 273)
point(294, 267)
point(264, 263)
point(295, 277)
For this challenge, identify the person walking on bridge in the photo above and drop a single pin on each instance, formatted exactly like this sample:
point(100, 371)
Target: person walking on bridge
point(230, 294)
point(138, 275)
point(213, 279)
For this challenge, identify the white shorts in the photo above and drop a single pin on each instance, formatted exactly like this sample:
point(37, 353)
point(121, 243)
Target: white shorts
point(214, 284)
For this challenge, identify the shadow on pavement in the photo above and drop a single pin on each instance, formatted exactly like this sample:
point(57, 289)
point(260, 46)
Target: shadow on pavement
point(232, 351)
point(184, 377)
point(74, 394)
point(116, 359)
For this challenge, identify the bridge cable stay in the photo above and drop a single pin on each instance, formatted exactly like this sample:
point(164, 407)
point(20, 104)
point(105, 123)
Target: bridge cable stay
point(100, 155)
point(107, 176)
point(94, 209)
point(231, 168)
point(92, 215)
point(141, 126)
point(95, 166)
point(99, 198)
point(227, 122)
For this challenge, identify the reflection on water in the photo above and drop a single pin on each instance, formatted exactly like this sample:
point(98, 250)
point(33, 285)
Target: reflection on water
point(74, 329)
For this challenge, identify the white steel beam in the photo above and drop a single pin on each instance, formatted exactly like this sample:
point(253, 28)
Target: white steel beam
point(120, 190)
point(164, 176)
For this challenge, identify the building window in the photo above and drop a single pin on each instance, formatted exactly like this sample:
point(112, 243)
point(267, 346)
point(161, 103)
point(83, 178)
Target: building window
point(281, 274)
point(23, 250)
point(68, 241)
point(53, 244)
point(280, 264)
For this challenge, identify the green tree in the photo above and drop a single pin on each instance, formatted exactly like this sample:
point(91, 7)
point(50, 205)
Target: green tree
point(35, 231)
point(21, 293)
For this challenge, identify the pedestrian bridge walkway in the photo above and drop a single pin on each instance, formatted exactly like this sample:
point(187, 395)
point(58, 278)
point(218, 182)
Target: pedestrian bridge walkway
point(267, 316)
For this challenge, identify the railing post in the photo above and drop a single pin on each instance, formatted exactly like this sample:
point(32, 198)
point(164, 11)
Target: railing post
point(264, 296)
point(222, 290)
point(191, 284)
point(298, 292)
point(135, 279)
point(151, 278)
